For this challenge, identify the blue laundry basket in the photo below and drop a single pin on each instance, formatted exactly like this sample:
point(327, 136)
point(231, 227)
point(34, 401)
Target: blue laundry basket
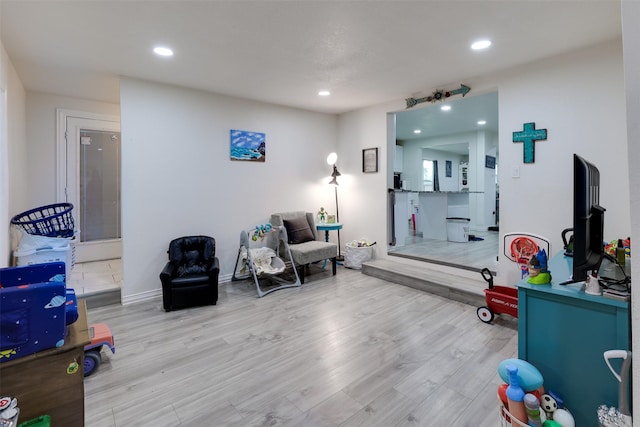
point(51, 220)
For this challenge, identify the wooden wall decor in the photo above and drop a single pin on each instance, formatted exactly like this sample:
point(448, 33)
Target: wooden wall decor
point(438, 95)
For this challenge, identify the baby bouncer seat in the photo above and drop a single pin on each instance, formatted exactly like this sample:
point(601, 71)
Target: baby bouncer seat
point(259, 258)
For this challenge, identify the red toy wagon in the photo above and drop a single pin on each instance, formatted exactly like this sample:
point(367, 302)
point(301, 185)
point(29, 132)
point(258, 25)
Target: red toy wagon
point(499, 299)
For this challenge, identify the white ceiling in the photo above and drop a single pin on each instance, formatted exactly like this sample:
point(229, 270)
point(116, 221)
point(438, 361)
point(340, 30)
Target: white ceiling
point(283, 52)
point(463, 117)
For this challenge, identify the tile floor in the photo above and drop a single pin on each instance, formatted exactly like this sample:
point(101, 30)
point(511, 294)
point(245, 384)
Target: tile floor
point(97, 276)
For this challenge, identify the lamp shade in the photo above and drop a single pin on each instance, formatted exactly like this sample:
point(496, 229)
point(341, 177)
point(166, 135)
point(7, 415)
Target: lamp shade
point(332, 159)
point(335, 174)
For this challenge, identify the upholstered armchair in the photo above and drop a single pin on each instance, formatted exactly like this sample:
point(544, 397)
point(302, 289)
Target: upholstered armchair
point(190, 277)
point(302, 241)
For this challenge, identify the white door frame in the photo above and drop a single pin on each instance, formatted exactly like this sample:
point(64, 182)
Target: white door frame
point(88, 251)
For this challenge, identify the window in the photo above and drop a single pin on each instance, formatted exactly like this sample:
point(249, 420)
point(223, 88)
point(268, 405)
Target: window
point(427, 174)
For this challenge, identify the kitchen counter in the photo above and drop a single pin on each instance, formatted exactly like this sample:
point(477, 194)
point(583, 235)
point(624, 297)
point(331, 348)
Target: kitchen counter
point(431, 212)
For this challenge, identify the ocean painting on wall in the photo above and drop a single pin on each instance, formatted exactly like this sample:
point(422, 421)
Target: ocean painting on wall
point(247, 146)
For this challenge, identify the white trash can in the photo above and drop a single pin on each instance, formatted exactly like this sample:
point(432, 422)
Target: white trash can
point(458, 229)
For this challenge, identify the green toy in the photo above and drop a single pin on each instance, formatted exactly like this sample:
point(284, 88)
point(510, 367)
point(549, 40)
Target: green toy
point(538, 272)
point(322, 215)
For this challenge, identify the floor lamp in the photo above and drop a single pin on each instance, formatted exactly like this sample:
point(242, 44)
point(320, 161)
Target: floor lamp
point(331, 160)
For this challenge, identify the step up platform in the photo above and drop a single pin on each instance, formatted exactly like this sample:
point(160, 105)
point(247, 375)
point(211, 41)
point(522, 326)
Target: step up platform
point(448, 282)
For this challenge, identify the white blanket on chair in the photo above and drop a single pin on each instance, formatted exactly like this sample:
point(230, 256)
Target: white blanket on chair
point(261, 258)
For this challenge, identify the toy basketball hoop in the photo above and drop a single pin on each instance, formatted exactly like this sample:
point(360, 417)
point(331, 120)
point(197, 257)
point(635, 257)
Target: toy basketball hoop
point(521, 247)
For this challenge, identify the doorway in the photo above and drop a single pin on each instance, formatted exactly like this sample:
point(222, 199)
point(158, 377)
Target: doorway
point(89, 159)
point(460, 139)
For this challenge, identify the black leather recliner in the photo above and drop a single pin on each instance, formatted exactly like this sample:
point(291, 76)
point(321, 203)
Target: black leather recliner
point(190, 277)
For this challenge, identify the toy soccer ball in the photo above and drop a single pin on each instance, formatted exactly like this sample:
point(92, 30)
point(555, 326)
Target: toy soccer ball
point(548, 403)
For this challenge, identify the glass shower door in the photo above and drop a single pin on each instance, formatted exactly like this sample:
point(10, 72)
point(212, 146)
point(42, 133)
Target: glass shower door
point(94, 187)
point(99, 185)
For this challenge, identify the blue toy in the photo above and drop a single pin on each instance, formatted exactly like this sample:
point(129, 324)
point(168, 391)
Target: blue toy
point(34, 309)
point(538, 269)
point(529, 376)
point(261, 231)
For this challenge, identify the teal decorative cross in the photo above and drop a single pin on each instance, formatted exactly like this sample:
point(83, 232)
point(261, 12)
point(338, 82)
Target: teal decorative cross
point(529, 136)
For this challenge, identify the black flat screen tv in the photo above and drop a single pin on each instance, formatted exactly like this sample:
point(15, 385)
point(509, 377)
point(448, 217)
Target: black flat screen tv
point(588, 220)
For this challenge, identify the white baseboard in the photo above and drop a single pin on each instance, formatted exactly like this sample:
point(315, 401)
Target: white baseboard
point(157, 293)
point(142, 296)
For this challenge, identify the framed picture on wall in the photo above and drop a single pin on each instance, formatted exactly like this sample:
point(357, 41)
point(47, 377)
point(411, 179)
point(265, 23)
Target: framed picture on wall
point(447, 168)
point(490, 162)
point(247, 146)
point(370, 160)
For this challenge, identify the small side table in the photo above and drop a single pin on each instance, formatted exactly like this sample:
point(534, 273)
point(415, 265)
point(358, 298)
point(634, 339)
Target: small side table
point(327, 227)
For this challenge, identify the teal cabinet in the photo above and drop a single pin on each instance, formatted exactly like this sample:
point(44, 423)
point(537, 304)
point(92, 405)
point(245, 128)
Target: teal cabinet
point(564, 332)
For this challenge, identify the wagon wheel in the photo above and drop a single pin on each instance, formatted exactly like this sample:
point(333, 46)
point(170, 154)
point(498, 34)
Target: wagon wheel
point(485, 314)
point(92, 360)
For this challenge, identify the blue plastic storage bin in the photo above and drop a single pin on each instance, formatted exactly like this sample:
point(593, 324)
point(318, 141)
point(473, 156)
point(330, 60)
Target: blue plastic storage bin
point(33, 309)
point(51, 220)
point(71, 307)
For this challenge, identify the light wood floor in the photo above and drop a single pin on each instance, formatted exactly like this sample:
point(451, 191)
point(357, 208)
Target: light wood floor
point(474, 255)
point(344, 350)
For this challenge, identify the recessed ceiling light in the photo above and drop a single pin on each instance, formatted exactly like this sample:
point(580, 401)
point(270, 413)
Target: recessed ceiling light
point(445, 107)
point(162, 51)
point(481, 44)
point(417, 131)
point(324, 93)
point(482, 122)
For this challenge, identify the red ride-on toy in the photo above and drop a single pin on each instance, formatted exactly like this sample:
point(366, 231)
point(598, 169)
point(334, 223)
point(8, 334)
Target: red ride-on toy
point(100, 335)
point(499, 299)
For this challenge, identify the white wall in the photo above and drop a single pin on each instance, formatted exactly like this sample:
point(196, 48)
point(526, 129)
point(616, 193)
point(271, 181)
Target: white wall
point(14, 163)
point(446, 183)
point(363, 207)
point(631, 37)
point(563, 95)
point(42, 140)
point(178, 178)
point(579, 99)
point(414, 153)
point(415, 182)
